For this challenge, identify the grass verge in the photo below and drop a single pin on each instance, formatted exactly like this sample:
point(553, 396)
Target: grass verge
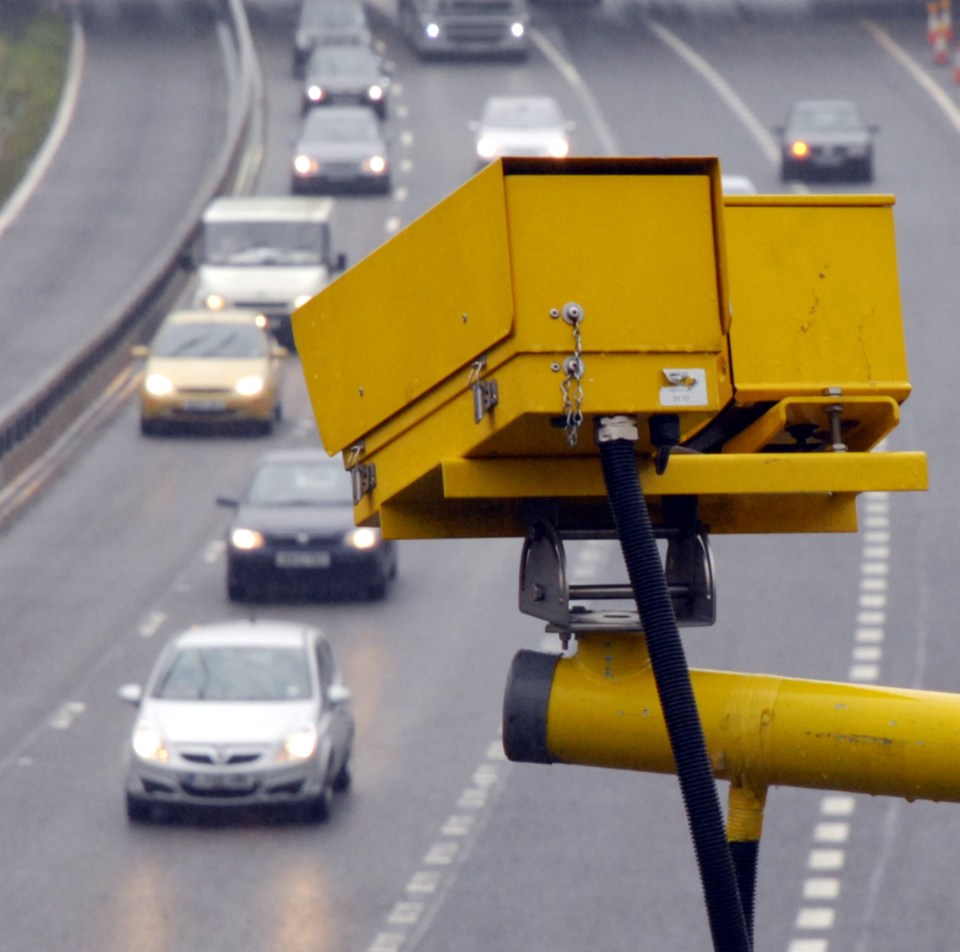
point(34, 49)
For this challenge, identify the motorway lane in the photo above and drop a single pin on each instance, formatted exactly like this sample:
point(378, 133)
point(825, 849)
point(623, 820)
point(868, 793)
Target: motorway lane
point(580, 846)
point(150, 109)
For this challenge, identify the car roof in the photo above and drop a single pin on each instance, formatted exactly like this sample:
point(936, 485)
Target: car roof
point(515, 104)
point(204, 316)
point(825, 105)
point(247, 631)
point(268, 208)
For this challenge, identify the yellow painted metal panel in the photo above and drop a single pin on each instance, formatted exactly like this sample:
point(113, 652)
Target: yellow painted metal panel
point(736, 474)
point(396, 324)
point(815, 297)
point(638, 253)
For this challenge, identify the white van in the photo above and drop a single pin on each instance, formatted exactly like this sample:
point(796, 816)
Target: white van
point(270, 254)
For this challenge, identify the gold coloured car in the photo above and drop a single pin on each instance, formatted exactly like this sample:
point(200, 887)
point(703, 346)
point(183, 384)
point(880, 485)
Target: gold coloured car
point(204, 367)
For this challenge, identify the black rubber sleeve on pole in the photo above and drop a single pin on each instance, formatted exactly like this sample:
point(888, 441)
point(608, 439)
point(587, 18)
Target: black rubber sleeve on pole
point(525, 702)
point(671, 674)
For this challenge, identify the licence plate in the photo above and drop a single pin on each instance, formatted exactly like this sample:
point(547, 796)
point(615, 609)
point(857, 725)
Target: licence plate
point(204, 406)
point(215, 782)
point(303, 560)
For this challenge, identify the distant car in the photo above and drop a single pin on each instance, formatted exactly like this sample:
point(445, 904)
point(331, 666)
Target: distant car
point(240, 714)
point(328, 23)
point(293, 528)
point(521, 125)
point(737, 185)
point(340, 147)
point(828, 137)
point(211, 367)
point(353, 75)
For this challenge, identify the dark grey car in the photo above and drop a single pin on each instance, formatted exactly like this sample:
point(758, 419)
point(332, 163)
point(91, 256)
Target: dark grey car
point(826, 137)
point(328, 23)
point(351, 75)
point(293, 530)
point(340, 148)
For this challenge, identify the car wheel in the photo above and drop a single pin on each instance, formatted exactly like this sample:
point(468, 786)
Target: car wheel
point(278, 413)
point(236, 590)
point(138, 811)
point(149, 427)
point(866, 170)
point(344, 777)
point(786, 172)
point(377, 591)
point(317, 810)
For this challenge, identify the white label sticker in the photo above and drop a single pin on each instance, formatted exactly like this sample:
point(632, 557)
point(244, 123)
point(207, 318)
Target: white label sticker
point(685, 387)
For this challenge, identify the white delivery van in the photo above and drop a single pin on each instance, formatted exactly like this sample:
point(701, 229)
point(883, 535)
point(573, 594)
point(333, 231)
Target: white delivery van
point(265, 253)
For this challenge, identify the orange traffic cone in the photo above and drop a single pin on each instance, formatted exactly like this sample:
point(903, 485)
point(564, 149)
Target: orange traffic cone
point(941, 50)
point(933, 23)
point(946, 20)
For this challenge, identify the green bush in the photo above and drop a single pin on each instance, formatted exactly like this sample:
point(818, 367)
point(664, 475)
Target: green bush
point(34, 47)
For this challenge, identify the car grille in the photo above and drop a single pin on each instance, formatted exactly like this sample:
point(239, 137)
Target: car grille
point(340, 169)
point(209, 758)
point(304, 540)
point(476, 32)
point(280, 306)
point(220, 793)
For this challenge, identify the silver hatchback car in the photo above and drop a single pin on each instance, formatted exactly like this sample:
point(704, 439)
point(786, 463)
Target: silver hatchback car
point(241, 713)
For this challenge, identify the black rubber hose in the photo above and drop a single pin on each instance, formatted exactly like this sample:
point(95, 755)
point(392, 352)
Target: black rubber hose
point(744, 854)
point(672, 676)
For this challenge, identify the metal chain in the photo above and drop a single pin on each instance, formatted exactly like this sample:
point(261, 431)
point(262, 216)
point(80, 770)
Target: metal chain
point(572, 387)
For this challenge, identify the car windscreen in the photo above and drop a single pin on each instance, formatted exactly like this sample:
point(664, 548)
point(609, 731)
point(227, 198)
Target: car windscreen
point(298, 483)
point(235, 673)
point(357, 127)
point(209, 340)
point(254, 244)
point(332, 15)
point(523, 116)
point(827, 119)
point(345, 61)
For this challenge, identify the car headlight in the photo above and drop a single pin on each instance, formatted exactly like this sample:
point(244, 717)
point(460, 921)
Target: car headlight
point(303, 164)
point(432, 30)
point(799, 149)
point(362, 538)
point(246, 539)
point(316, 94)
point(158, 385)
point(300, 745)
point(376, 164)
point(249, 386)
point(558, 147)
point(215, 302)
point(517, 30)
point(375, 93)
point(148, 744)
point(487, 148)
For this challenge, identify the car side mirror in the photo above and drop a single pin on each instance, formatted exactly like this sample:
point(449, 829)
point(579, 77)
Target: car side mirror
point(338, 695)
point(131, 694)
point(230, 502)
point(340, 263)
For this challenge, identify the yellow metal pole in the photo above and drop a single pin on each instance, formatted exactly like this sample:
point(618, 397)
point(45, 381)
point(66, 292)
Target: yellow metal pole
point(601, 708)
